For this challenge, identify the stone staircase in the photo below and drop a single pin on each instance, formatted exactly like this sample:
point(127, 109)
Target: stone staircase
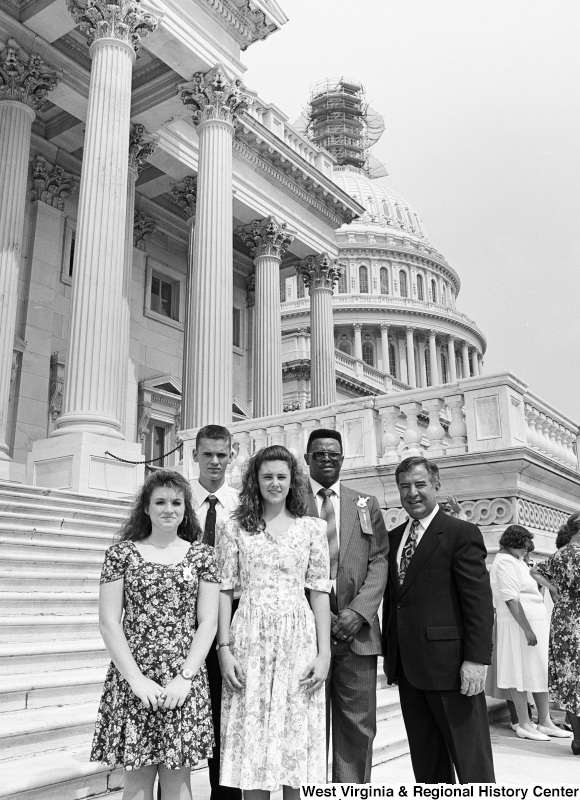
point(52, 658)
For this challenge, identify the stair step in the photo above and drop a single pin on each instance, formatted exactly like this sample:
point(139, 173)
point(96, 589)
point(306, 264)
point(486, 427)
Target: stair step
point(51, 689)
point(35, 494)
point(48, 603)
point(77, 562)
point(36, 628)
point(80, 512)
point(31, 657)
point(44, 579)
point(390, 741)
point(21, 535)
point(27, 732)
point(23, 549)
point(30, 518)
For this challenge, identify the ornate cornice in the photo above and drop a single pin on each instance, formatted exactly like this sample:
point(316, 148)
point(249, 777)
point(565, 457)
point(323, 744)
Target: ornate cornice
point(215, 96)
point(141, 147)
point(125, 20)
point(535, 515)
point(266, 237)
point(319, 272)
point(143, 229)
point(245, 21)
point(25, 78)
point(185, 195)
point(51, 184)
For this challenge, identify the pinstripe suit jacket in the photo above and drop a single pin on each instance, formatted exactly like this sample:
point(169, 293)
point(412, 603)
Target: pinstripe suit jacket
point(362, 567)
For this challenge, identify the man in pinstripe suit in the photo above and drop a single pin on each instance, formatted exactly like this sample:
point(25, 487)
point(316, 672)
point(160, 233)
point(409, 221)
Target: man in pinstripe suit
point(358, 544)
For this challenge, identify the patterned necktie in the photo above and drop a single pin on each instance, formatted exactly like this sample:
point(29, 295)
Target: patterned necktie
point(327, 514)
point(209, 530)
point(408, 550)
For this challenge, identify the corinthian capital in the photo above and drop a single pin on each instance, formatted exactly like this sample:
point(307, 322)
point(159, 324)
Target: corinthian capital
point(141, 146)
point(25, 78)
point(52, 185)
point(143, 229)
point(125, 20)
point(320, 272)
point(185, 195)
point(214, 95)
point(266, 237)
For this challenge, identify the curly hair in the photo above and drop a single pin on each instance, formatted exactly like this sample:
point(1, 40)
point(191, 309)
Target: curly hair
point(568, 529)
point(137, 526)
point(516, 536)
point(250, 510)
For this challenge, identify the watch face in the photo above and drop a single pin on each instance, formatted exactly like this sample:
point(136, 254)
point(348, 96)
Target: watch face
point(187, 674)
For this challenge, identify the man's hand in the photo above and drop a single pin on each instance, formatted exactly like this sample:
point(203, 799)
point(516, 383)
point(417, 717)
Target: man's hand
point(472, 678)
point(346, 625)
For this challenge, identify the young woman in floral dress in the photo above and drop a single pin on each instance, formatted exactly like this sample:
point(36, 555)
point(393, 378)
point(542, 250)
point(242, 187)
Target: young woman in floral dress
point(157, 614)
point(276, 654)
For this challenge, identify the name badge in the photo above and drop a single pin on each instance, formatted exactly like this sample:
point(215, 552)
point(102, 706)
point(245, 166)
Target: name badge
point(364, 515)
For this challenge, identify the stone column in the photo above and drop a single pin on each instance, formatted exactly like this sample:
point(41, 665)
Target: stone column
point(433, 358)
point(422, 365)
point(216, 100)
point(480, 363)
point(451, 359)
point(357, 328)
point(385, 346)
point(403, 368)
point(465, 359)
point(268, 240)
point(185, 195)
point(25, 81)
point(474, 362)
point(409, 330)
point(141, 147)
point(320, 273)
point(88, 457)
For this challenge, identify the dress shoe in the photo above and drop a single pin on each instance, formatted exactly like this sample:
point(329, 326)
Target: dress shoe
point(558, 733)
point(576, 748)
point(524, 734)
point(514, 726)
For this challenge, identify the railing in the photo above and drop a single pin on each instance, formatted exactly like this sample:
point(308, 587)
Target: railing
point(484, 414)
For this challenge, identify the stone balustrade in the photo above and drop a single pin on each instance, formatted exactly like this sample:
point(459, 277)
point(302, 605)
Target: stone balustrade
point(484, 414)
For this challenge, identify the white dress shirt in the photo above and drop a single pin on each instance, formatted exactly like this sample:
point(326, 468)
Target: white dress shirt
point(334, 499)
point(227, 501)
point(423, 525)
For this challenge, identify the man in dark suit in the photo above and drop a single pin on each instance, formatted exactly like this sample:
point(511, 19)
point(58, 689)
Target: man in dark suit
point(437, 629)
point(358, 544)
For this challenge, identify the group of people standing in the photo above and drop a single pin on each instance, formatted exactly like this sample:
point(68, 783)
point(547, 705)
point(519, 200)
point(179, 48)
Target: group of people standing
point(290, 573)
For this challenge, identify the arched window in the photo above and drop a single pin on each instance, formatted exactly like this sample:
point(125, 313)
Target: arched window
point(344, 345)
point(392, 361)
point(444, 368)
point(403, 283)
point(343, 283)
point(363, 280)
point(427, 366)
point(299, 287)
point(368, 351)
point(433, 291)
point(420, 290)
point(282, 289)
point(384, 277)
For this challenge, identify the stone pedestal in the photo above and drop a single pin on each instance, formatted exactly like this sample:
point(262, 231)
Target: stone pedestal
point(268, 241)
point(320, 273)
point(216, 99)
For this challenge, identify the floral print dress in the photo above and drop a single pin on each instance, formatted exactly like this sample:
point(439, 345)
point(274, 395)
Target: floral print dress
point(272, 732)
point(159, 622)
point(563, 569)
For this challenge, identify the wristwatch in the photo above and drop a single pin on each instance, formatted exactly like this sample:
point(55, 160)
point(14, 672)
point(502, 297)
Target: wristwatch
point(186, 673)
point(223, 644)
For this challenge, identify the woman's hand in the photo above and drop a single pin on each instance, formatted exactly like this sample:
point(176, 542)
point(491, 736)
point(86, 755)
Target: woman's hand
point(314, 675)
point(531, 637)
point(233, 674)
point(148, 692)
point(175, 693)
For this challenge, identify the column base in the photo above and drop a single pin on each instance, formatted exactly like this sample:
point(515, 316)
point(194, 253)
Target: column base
point(78, 462)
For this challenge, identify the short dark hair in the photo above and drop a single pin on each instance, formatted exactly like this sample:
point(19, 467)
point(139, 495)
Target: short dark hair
point(418, 461)
point(213, 432)
point(568, 529)
point(323, 433)
point(516, 536)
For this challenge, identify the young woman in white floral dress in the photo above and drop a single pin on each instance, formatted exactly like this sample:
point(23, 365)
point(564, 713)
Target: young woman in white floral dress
point(276, 654)
point(157, 613)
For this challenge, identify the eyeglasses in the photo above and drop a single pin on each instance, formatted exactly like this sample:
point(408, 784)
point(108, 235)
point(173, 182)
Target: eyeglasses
point(320, 455)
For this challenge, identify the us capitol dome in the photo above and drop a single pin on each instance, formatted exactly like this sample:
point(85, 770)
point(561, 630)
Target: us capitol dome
point(396, 322)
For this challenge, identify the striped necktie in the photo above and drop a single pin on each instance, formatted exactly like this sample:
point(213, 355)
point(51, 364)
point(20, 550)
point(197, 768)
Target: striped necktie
point(327, 514)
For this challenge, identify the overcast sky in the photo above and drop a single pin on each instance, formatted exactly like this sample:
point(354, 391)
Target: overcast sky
point(481, 100)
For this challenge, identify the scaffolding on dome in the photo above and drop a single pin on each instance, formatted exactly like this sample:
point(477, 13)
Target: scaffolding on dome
point(340, 120)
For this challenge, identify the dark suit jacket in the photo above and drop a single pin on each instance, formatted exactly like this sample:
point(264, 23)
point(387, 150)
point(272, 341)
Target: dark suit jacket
point(442, 615)
point(362, 567)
